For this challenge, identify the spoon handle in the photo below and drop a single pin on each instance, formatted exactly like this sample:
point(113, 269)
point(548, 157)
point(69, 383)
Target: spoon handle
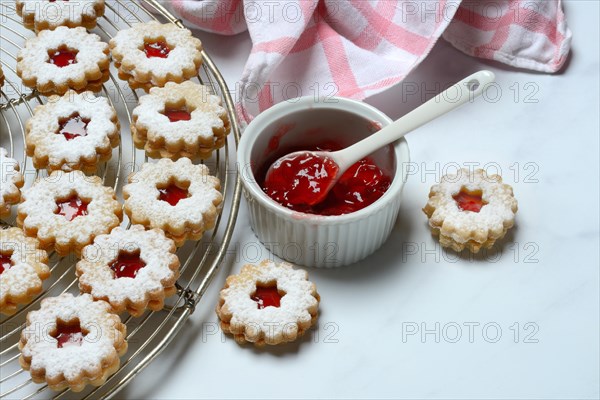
point(456, 95)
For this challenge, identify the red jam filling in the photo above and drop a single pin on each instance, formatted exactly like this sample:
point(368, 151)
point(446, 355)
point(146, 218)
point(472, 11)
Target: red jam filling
point(62, 58)
point(74, 127)
point(173, 194)
point(177, 114)
point(157, 49)
point(68, 335)
point(267, 296)
point(127, 265)
point(72, 208)
point(360, 186)
point(468, 201)
point(5, 262)
point(300, 180)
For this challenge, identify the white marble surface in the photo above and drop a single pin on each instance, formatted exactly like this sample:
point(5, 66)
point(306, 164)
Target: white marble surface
point(543, 284)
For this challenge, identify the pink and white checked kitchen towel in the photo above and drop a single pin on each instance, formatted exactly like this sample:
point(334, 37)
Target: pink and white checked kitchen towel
point(357, 48)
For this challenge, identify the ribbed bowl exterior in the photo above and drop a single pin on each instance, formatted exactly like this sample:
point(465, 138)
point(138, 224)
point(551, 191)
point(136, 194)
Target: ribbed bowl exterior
point(313, 240)
point(305, 241)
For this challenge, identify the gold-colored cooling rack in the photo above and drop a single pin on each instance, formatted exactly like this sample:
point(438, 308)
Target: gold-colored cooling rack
point(150, 334)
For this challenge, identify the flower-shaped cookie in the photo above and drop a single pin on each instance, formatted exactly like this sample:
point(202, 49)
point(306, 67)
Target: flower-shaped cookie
point(178, 197)
point(68, 210)
point(131, 269)
point(22, 269)
point(152, 54)
point(65, 58)
point(72, 132)
point(180, 120)
point(268, 303)
point(71, 342)
point(11, 180)
point(470, 210)
point(50, 14)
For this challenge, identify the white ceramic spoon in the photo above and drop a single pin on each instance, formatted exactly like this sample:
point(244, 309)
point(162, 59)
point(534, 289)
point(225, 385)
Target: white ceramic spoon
point(455, 96)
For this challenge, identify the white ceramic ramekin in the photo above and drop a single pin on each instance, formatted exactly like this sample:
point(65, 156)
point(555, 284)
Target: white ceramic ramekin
point(313, 240)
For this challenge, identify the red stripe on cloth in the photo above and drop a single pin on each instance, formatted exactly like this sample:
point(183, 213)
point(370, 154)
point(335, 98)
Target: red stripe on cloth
point(337, 58)
point(536, 22)
point(265, 97)
point(308, 9)
point(524, 17)
point(309, 38)
point(393, 33)
point(369, 39)
point(222, 23)
point(290, 44)
point(502, 30)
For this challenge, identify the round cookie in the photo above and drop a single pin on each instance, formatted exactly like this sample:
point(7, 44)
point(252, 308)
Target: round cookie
point(67, 210)
point(72, 341)
point(66, 58)
point(151, 54)
point(72, 132)
point(268, 303)
point(470, 210)
point(131, 269)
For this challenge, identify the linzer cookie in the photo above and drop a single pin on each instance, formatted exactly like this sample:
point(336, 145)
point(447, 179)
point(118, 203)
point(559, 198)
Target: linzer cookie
point(1, 77)
point(56, 61)
point(72, 132)
point(132, 269)
point(11, 180)
point(178, 197)
point(470, 210)
point(68, 210)
point(152, 54)
point(50, 14)
point(180, 120)
point(23, 267)
point(268, 303)
point(71, 342)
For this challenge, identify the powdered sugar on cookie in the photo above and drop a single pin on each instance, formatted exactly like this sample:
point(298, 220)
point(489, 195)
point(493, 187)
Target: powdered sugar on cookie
point(39, 213)
point(89, 362)
point(90, 64)
point(241, 315)
point(22, 280)
point(203, 132)
point(459, 228)
point(99, 270)
point(44, 14)
point(191, 216)
point(11, 180)
point(53, 150)
point(182, 61)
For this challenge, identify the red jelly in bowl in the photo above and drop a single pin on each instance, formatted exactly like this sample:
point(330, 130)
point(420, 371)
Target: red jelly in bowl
point(360, 186)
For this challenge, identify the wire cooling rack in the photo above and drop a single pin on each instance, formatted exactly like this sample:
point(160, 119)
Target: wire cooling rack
point(151, 333)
